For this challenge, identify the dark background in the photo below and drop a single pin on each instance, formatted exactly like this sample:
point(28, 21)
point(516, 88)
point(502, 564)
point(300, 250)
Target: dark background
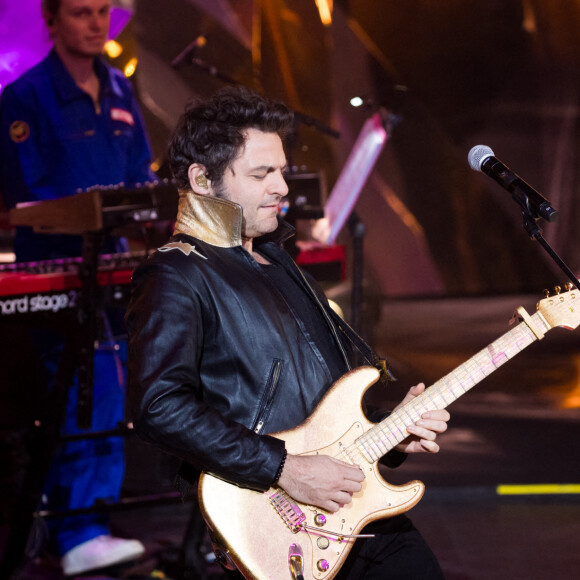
point(458, 73)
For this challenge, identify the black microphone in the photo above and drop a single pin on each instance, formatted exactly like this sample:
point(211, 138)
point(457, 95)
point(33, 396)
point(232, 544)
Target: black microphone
point(481, 158)
point(188, 51)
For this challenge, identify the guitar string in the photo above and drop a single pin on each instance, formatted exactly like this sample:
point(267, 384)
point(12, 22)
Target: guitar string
point(462, 379)
point(378, 440)
point(482, 364)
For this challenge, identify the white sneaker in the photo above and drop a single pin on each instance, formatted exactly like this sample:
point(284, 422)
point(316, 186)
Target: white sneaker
point(100, 552)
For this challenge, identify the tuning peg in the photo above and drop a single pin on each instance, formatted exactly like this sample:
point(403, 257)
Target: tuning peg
point(569, 286)
point(557, 289)
point(546, 293)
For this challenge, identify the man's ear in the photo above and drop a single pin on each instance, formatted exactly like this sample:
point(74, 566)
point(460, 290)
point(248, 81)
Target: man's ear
point(198, 181)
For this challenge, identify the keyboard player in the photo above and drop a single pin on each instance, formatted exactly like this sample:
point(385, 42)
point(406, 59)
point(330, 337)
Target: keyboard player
point(68, 124)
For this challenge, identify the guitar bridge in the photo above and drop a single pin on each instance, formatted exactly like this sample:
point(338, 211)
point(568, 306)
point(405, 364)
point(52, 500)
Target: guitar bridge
point(292, 515)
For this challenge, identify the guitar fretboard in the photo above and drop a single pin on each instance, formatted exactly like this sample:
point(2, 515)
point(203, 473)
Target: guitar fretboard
point(384, 436)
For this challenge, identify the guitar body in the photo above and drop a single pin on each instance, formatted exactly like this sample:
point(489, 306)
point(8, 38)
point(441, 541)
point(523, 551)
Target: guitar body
point(254, 534)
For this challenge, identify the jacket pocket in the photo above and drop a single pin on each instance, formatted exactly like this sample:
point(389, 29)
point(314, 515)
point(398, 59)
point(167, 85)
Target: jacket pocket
point(268, 396)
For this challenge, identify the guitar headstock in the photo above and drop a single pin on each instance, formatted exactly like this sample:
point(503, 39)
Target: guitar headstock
point(562, 308)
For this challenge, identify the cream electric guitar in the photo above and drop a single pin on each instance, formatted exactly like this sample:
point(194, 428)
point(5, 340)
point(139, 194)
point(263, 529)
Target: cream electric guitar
point(270, 536)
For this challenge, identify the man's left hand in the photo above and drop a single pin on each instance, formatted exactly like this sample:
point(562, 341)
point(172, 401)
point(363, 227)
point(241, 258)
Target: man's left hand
point(425, 430)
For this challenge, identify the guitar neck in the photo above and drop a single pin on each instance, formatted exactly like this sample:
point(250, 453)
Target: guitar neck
point(384, 436)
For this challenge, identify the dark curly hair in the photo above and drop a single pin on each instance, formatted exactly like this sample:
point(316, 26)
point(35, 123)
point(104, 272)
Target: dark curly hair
point(211, 133)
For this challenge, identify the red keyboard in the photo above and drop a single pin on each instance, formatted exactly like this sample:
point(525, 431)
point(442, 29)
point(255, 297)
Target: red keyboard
point(54, 286)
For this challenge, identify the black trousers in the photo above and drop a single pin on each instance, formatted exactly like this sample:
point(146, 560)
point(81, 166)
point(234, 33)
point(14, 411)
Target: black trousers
point(397, 552)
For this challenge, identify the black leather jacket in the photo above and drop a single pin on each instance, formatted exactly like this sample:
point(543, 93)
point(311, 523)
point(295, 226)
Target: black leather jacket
point(216, 359)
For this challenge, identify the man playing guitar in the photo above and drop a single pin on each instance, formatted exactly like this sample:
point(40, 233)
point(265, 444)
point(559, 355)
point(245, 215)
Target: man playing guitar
point(230, 341)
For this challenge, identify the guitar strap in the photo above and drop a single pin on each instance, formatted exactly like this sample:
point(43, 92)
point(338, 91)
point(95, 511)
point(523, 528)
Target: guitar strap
point(366, 353)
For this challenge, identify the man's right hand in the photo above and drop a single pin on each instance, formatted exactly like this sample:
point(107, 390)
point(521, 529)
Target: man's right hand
point(320, 480)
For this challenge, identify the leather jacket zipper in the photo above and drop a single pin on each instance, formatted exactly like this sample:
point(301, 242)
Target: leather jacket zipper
point(273, 383)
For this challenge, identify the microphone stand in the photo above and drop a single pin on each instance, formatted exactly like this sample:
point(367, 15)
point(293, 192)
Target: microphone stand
point(535, 233)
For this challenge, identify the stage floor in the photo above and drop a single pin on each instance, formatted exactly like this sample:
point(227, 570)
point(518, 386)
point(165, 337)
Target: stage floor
point(521, 425)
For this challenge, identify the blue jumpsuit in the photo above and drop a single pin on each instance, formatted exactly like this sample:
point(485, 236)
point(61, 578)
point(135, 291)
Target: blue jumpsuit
point(54, 143)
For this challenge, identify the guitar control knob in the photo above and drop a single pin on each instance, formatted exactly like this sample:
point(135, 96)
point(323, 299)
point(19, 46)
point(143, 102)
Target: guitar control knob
point(323, 565)
point(320, 519)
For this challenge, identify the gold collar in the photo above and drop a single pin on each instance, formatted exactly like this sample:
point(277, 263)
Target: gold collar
point(213, 220)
